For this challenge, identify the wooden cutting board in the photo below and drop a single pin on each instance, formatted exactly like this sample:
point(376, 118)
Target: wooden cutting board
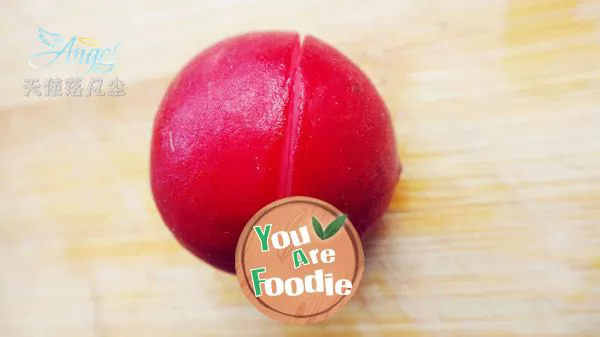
point(494, 229)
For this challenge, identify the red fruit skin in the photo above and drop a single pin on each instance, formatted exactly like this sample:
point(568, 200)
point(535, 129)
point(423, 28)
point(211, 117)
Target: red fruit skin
point(259, 117)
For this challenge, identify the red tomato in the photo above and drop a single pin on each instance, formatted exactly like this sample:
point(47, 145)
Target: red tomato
point(263, 116)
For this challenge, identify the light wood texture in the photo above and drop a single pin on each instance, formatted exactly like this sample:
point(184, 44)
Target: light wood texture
point(494, 231)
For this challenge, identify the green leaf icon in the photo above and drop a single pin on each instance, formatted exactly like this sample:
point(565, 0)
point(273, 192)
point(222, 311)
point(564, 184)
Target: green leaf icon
point(331, 229)
point(335, 226)
point(318, 229)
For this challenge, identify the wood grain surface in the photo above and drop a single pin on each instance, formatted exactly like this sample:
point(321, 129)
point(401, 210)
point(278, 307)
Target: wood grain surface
point(494, 229)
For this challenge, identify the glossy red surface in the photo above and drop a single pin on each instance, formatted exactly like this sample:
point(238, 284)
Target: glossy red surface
point(259, 117)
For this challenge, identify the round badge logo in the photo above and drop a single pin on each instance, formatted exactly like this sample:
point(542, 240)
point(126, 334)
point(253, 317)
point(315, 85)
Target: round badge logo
point(299, 260)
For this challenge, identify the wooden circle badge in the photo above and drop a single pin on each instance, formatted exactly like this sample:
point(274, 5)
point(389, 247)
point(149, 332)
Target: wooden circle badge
point(299, 260)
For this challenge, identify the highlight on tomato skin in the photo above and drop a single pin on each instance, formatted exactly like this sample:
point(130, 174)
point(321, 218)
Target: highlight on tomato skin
point(262, 116)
